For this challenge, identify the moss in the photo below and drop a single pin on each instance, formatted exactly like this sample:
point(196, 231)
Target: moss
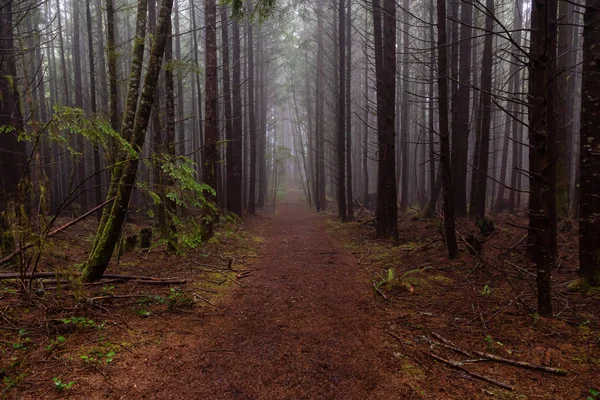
point(441, 279)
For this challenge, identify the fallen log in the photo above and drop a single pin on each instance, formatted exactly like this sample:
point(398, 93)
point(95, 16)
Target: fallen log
point(522, 364)
point(55, 231)
point(141, 279)
point(458, 366)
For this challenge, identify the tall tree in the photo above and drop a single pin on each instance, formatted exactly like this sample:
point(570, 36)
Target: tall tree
point(460, 109)
point(385, 71)
point(251, 121)
point(91, 59)
point(134, 129)
point(444, 133)
point(479, 189)
point(234, 162)
point(404, 126)
point(589, 201)
point(12, 151)
point(349, 187)
point(211, 122)
point(542, 167)
point(320, 197)
point(78, 75)
point(341, 114)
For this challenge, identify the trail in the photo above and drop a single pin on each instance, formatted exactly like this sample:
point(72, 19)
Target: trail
point(305, 326)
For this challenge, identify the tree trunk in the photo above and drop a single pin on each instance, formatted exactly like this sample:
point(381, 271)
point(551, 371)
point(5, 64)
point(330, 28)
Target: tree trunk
point(211, 122)
point(341, 114)
point(477, 210)
point(252, 122)
point(460, 111)
point(444, 134)
point(542, 168)
point(404, 126)
point(589, 201)
point(348, 40)
point(134, 128)
point(12, 151)
point(385, 67)
point(97, 175)
point(234, 166)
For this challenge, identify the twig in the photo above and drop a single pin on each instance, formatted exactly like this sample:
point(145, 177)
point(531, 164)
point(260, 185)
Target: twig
point(118, 296)
point(450, 345)
point(399, 339)
point(458, 366)
point(379, 291)
point(364, 255)
point(504, 308)
point(522, 364)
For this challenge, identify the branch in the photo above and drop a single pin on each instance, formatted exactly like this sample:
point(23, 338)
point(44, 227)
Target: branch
point(55, 231)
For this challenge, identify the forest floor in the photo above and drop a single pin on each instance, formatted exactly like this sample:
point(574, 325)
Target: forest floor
point(307, 308)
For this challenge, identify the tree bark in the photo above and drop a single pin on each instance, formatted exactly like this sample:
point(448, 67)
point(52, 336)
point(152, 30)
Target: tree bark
point(211, 122)
point(385, 67)
point(477, 210)
point(542, 167)
point(589, 201)
point(444, 133)
point(135, 126)
point(341, 114)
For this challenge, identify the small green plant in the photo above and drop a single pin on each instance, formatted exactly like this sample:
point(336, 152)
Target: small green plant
point(594, 394)
point(108, 290)
point(11, 382)
point(386, 280)
point(486, 291)
point(82, 322)
point(58, 342)
point(60, 385)
point(22, 341)
point(98, 356)
point(490, 342)
point(142, 312)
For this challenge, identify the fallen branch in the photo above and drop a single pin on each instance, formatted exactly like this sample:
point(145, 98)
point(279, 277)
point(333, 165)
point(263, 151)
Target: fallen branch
point(450, 345)
point(522, 364)
point(458, 366)
point(379, 291)
point(118, 296)
point(55, 231)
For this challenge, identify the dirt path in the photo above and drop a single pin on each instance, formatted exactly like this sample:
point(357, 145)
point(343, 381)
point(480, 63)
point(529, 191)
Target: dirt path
point(304, 327)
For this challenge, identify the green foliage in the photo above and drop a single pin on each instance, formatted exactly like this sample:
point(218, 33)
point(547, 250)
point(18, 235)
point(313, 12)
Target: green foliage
point(55, 343)
point(60, 385)
point(182, 67)
point(22, 341)
point(12, 382)
point(261, 10)
point(594, 394)
point(486, 291)
point(82, 322)
point(95, 129)
point(98, 356)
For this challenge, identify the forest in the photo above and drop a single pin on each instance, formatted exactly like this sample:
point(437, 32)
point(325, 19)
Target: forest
point(320, 199)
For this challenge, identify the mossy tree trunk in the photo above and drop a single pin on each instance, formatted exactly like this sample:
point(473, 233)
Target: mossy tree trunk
point(134, 127)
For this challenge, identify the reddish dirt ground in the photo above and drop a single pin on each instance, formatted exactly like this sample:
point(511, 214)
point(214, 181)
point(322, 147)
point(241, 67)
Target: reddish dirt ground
point(297, 318)
point(304, 326)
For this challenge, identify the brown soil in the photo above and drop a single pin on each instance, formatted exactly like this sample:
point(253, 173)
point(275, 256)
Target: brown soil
point(298, 318)
point(305, 326)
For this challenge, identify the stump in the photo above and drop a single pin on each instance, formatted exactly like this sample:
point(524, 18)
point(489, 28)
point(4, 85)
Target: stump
point(145, 238)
